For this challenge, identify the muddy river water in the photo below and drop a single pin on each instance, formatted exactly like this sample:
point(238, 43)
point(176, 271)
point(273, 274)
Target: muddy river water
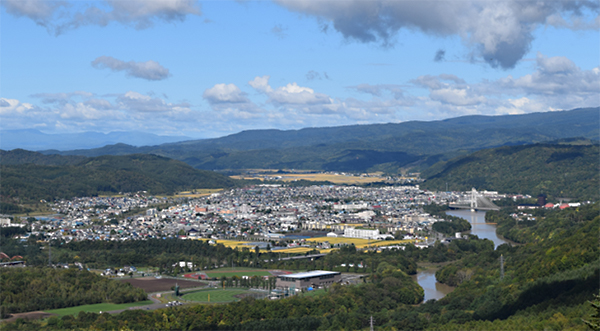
point(426, 278)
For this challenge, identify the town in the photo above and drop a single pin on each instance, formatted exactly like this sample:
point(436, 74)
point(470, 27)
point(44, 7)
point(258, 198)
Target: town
point(271, 215)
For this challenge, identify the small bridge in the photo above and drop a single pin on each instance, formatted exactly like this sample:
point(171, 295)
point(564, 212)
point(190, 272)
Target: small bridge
point(475, 201)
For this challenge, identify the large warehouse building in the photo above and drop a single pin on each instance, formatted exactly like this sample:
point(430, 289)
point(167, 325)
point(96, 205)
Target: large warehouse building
point(315, 279)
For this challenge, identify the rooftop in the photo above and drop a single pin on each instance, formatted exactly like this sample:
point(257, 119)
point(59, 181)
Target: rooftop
point(311, 274)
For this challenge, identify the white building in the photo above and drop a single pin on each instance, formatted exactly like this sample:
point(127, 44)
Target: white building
point(351, 232)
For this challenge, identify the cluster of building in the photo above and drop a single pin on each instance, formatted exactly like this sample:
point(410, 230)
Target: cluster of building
point(257, 213)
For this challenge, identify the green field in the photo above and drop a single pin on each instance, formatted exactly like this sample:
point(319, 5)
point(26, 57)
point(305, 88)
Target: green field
point(229, 272)
point(226, 295)
point(96, 308)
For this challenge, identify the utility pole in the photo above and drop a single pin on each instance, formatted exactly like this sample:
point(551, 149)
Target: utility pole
point(371, 322)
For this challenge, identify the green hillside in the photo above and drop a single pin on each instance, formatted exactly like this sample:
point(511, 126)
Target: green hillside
point(388, 147)
point(25, 181)
point(557, 170)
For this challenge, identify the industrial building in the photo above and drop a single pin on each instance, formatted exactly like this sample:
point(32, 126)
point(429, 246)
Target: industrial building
point(315, 279)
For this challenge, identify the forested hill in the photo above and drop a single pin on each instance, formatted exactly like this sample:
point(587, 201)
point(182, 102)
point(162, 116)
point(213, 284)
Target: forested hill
point(387, 147)
point(21, 156)
point(557, 170)
point(30, 176)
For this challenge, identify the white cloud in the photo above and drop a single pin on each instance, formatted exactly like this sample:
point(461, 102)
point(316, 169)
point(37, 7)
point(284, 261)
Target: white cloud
point(148, 70)
point(13, 107)
point(225, 93)
point(293, 96)
point(555, 76)
point(134, 101)
point(261, 84)
point(498, 31)
point(60, 16)
point(557, 83)
point(84, 111)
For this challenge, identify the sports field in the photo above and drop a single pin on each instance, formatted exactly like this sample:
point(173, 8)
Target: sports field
point(217, 296)
point(96, 308)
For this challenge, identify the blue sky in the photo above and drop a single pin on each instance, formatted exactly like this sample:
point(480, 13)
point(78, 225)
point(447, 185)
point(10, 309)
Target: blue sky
point(207, 69)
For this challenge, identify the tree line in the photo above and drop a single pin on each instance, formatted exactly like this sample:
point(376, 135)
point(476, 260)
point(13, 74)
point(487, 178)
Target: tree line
point(31, 289)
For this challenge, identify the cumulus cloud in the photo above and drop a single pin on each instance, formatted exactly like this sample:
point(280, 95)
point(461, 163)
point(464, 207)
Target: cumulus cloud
point(498, 31)
point(261, 84)
point(225, 93)
point(13, 107)
point(148, 70)
point(555, 76)
point(556, 83)
point(84, 111)
point(291, 94)
point(229, 100)
point(60, 16)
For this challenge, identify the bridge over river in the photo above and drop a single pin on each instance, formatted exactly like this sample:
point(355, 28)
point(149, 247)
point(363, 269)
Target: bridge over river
point(475, 201)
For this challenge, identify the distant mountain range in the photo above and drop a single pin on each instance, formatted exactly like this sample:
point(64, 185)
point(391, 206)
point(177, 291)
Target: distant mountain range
point(374, 147)
point(35, 140)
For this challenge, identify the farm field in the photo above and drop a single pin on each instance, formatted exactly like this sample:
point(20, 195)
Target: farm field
point(216, 296)
point(196, 193)
point(341, 240)
point(293, 250)
point(152, 284)
point(333, 178)
point(96, 308)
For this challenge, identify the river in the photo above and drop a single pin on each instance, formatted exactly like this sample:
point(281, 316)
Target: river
point(432, 288)
point(426, 278)
point(478, 225)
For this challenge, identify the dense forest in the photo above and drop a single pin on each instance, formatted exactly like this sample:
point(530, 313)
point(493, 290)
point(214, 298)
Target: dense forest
point(32, 289)
point(29, 177)
point(547, 283)
point(556, 170)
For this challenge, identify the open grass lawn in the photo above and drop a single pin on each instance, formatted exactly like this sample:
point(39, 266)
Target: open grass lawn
point(229, 272)
point(95, 308)
point(218, 295)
